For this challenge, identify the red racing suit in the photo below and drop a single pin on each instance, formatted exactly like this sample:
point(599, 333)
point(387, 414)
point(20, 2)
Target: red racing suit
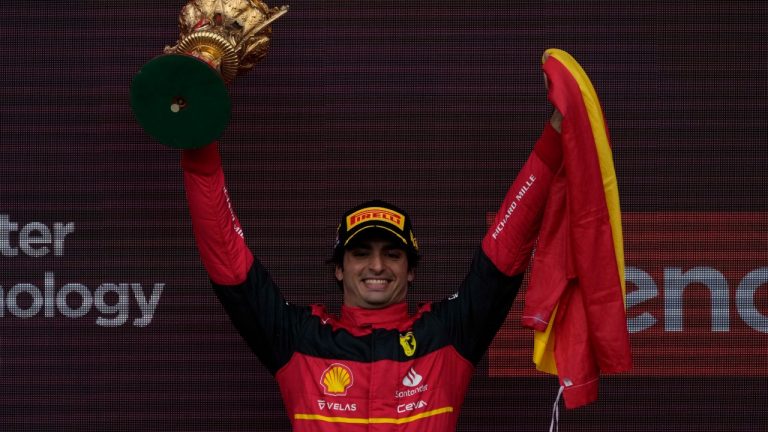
point(367, 370)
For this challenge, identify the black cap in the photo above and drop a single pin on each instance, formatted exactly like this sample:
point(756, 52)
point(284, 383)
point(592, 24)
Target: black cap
point(380, 217)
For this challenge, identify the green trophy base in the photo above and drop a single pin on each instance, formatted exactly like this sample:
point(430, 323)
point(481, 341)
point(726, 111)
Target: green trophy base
point(180, 101)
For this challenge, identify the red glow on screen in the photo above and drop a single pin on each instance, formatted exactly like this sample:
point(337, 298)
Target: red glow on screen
point(697, 297)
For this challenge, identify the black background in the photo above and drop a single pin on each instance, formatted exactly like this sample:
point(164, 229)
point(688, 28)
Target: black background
point(433, 105)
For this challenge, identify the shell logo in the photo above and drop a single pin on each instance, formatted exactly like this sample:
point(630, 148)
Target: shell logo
point(337, 379)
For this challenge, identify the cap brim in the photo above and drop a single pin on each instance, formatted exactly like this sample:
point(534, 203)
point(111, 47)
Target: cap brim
point(368, 231)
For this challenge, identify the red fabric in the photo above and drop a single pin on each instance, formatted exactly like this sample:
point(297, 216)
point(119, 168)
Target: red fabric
point(510, 239)
point(552, 265)
point(218, 234)
point(204, 161)
point(575, 263)
point(359, 321)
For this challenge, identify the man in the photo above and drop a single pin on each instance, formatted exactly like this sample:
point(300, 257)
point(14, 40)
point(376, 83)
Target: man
point(374, 368)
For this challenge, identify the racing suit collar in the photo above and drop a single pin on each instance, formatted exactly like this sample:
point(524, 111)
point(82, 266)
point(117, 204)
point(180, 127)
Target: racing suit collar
point(390, 317)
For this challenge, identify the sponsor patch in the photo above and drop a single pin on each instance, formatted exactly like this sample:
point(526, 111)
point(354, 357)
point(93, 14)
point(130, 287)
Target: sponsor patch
point(324, 405)
point(414, 383)
point(336, 380)
point(412, 378)
point(376, 214)
point(408, 342)
point(411, 406)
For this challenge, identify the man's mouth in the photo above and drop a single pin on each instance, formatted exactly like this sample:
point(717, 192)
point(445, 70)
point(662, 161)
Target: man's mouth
point(375, 283)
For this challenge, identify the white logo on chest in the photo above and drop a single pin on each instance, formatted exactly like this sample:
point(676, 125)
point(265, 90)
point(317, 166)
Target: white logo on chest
point(412, 378)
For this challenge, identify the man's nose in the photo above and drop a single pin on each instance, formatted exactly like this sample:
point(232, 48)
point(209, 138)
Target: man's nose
point(376, 263)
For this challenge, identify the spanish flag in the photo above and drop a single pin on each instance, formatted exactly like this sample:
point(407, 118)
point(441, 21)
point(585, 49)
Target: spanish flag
point(576, 297)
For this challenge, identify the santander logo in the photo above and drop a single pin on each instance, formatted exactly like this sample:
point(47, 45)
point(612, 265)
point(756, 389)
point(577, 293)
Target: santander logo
point(412, 379)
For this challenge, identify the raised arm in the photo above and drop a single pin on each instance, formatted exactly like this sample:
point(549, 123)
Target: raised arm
point(509, 240)
point(218, 234)
point(478, 310)
point(245, 289)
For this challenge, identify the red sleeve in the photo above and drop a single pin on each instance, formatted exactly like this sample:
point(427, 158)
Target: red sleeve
point(218, 234)
point(510, 239)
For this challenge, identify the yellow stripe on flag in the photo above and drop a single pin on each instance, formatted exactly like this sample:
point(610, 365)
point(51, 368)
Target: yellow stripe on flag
point(544, 345)
point(544, 348)
point(605, 155)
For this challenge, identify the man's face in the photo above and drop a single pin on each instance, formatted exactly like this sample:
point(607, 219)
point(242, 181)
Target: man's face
point(375, 274)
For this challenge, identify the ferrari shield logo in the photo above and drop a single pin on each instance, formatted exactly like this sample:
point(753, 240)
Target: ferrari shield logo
point(408, 342)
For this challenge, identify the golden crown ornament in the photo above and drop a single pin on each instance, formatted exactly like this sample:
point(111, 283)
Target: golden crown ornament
point(180, 98)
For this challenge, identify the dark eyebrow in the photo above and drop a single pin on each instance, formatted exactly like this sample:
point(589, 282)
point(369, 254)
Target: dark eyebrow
point(359, 246)
point(393, 246)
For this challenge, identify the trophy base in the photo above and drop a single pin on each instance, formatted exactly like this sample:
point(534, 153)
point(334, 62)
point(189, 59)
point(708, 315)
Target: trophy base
point(180, 101)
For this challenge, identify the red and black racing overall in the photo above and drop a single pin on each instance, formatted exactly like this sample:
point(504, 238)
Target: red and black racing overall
point(369, 369)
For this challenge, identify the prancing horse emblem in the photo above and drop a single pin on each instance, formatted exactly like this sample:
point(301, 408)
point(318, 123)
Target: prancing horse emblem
point(408, 342)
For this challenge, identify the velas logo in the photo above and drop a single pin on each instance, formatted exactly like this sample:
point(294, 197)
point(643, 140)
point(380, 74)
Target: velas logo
point(375, 214)
point(337, 379)
point(408, 342)
point(325, 405)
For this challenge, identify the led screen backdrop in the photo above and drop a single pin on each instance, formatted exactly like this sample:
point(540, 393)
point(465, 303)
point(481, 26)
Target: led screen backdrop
point(107, 321)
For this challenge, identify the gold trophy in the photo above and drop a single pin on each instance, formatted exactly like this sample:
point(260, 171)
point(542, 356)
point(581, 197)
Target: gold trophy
point(181, 98)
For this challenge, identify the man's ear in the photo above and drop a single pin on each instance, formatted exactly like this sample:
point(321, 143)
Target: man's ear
point(411, 275)
point(339, 272)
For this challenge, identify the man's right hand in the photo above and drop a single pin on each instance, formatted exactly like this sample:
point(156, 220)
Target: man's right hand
point(556, 120)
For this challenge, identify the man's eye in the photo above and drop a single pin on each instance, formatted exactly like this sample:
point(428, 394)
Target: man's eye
point(359, 252)
point(396, 254)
